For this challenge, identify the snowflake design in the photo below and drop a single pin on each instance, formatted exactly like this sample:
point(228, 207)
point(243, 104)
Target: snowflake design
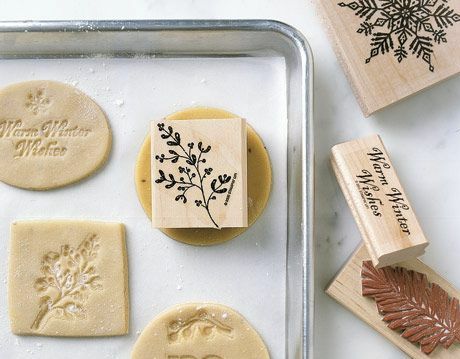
point(37, 101)
point(392, 24)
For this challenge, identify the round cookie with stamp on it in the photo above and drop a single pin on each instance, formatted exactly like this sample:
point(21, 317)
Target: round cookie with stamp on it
point(200, 331)
point(51, 135)
point(259, 177)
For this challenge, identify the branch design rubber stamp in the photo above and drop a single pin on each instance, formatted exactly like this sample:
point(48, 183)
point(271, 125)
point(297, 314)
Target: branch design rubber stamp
point(192, 174)
point(199, 173)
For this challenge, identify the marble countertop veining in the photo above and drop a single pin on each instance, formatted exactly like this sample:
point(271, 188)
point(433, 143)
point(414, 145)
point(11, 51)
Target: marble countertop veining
point(422, 135)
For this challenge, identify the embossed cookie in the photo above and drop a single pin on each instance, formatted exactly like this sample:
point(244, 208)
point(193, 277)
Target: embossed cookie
point(68, 278)
point(199, 331)
point(51, 135)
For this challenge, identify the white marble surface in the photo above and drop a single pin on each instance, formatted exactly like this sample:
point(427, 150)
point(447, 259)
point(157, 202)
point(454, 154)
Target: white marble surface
point(422, 135)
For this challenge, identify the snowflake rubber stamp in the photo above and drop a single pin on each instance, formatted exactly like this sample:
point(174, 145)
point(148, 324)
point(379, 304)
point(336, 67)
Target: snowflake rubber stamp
point(404, 26)
point(37, 101)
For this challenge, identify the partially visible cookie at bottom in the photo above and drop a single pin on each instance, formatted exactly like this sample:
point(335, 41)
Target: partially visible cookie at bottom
point(68, 278)
point(259, 177)
point(199, 331)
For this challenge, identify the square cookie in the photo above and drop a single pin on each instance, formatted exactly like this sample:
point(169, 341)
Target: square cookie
point(68, 278)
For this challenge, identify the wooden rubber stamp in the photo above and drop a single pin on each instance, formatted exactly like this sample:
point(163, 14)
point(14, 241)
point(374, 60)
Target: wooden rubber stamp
point(378, 202)
point(409, 304)
point(393, 49)
point(199, 170)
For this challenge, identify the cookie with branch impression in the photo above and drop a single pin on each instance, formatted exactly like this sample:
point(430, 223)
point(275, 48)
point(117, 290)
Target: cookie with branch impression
point(200, 331)
point(68, 278)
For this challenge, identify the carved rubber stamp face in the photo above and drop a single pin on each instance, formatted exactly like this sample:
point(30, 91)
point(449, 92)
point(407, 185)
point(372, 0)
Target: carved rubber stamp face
point(51, 135)
point(68, 279)
point(408, 302)
point(200, 331)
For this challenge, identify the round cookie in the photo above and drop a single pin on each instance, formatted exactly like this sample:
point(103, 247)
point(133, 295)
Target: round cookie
point(51, 135)
point(199, 331)
point(259, 182)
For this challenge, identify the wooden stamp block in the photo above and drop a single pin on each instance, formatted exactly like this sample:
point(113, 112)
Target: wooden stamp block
point(346, 289)
point(393, 49)
point(378, 202)
point(199, 170)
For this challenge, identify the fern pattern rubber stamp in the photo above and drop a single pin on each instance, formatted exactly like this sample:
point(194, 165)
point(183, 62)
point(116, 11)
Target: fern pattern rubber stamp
point(68, 277)
point(403, 26)
point(193, 174)
point(199, 324)
point(423, 311)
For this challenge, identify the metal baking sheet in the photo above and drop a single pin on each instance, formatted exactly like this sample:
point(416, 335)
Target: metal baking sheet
point(137, 71)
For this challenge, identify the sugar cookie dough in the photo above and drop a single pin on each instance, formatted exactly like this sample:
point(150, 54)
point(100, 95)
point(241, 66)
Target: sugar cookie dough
point(51, 135)
point(199, 331)
point(68, 278)
point(259, 182)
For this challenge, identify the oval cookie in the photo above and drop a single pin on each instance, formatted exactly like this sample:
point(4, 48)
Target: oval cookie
point(199, 331)
point(259, 182)
point(51, 135)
